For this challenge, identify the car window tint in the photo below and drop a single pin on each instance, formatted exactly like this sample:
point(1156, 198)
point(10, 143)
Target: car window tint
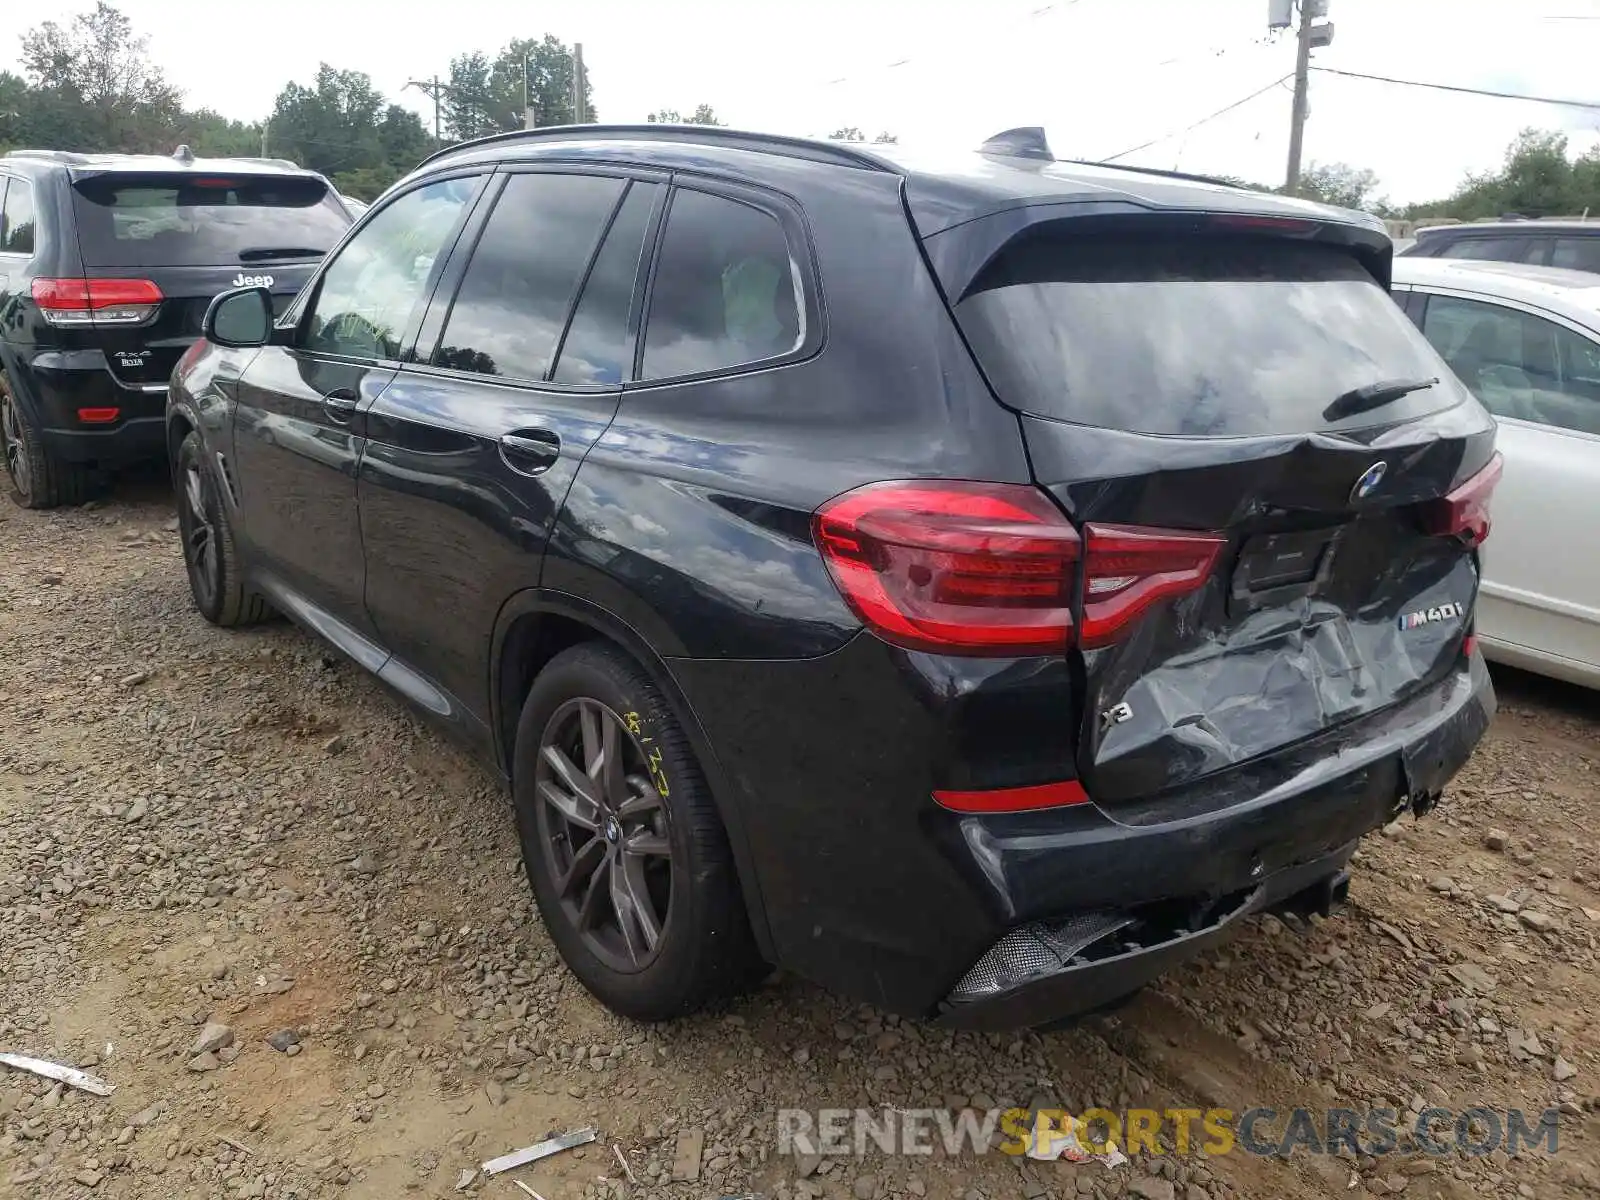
point(185, 218)
point(519, 287)
point(1578, 254)
point(17, 223)
point(1519, 365)
point(369, 291)
point(726, 292)
point(1192, 337)
point(1492, 249)
point(596, 347)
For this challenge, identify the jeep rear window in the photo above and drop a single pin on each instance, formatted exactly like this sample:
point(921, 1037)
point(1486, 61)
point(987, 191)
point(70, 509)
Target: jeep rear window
point(193, 219)
point(1197, 337)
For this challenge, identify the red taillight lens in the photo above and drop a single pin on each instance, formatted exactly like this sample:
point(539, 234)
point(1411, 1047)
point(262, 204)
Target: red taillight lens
point(98, 416)
point(1017, 799)
point(1464, 513)
point(96, 301)
point(1128, 569)
point(958, 567)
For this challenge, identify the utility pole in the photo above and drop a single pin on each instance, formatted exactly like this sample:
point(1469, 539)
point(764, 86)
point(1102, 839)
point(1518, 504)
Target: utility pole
point(527, 97)
point(435, 90)
point(1308, 37)
point(579, 117)
point(265, 126)
point(1302, 84)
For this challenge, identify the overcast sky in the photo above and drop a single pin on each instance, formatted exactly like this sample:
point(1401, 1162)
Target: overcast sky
point(1101, 75)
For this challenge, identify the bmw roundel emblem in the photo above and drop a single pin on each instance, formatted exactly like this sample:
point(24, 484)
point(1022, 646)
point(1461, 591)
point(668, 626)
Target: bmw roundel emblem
point(1369, 481)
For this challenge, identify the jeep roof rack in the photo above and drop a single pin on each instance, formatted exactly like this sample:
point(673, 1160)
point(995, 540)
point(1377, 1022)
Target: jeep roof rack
point(60, 156)
point(772, 143)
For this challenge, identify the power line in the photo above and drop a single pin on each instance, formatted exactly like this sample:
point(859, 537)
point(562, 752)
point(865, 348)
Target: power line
point(1033, 14)
point(1447, 87)
point(1203, 120)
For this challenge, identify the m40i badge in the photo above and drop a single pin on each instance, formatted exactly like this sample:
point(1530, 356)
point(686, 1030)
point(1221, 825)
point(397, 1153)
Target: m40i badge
point(1427, 616)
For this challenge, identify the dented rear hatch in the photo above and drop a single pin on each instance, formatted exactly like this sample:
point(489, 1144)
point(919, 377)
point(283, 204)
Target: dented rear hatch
point(1277, 481)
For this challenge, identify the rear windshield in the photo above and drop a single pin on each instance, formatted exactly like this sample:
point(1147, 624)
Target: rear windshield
point(198, 220)
point(1199, 337)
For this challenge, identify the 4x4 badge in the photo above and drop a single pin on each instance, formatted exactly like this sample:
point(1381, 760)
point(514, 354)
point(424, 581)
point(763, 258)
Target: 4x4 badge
point(1369, 481)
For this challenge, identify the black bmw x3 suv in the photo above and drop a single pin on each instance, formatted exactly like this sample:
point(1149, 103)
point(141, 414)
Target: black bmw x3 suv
point(107, 265)
point(975, 583)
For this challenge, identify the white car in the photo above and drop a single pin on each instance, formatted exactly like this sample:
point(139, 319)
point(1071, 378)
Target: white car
point(1526, 341)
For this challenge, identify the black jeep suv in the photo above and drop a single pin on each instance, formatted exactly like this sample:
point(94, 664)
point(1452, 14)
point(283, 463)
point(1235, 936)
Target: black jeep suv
point(974, 582)
point(107, 264)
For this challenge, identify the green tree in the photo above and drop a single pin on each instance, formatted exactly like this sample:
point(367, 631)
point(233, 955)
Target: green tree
point(330, 126)
point(468, 104)
point(703, 114)
point(1340, 184)
point(99, 89)
point(1536, 179)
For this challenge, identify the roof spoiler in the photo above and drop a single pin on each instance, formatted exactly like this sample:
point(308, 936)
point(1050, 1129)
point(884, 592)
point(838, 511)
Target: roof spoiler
point(1025, 141)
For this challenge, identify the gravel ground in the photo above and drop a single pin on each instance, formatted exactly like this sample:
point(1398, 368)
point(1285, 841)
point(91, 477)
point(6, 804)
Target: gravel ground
point(241, 882)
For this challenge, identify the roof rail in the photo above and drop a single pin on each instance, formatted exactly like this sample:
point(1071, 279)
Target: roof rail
point(287, 164)
point(1192, 178)
point(60, 156)
point(1026, 141)
point(704, 134)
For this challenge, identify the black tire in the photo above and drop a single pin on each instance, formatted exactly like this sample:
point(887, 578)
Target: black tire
point(210, 556)
point(37, 478)
point(704, 949)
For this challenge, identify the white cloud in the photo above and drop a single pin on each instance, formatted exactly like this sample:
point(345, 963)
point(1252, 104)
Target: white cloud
point(1101, 75)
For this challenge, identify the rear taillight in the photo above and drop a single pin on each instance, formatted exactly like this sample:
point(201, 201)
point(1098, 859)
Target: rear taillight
point(1464, 513)
point(96, 301)
point(991, 568)
point(956, 567)
point(1126, 569)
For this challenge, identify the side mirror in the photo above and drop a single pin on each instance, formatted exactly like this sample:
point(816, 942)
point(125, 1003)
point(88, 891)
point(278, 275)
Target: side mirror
point(242, 318)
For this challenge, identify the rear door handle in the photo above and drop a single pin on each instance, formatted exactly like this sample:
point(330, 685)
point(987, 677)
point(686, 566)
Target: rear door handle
point(340, 405)
point(530, 451)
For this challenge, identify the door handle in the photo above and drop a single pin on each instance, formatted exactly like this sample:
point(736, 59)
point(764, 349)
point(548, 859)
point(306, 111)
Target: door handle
point(530, 451)
point(340, 405)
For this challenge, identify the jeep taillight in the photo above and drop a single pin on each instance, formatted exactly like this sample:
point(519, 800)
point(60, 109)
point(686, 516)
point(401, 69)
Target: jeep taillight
point(93, 302)
point(994, 568)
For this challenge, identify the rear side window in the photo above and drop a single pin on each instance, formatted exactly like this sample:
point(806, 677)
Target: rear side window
point(1577, 254)
point(726, 292)
point(1491, 249)
point(190, 220)
point(596, 349)
point(1213, 337)
point(17, 218)
point(524, 274)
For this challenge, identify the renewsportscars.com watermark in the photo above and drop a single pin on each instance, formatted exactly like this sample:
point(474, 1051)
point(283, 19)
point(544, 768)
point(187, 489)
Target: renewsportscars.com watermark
point(1101, 1133)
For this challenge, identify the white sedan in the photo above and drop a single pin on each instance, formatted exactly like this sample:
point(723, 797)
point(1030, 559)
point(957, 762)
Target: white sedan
point(1526, 341)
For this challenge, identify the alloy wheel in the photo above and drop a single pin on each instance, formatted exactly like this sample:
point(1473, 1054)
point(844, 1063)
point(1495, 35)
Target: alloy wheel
point(200, 550)
point(606, 833)
point(15, 444)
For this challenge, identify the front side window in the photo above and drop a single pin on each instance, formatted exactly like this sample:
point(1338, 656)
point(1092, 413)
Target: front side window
point(368, 293)
point(1518, 365)
point(726, 291)
point(18, 219)
point(524, 274)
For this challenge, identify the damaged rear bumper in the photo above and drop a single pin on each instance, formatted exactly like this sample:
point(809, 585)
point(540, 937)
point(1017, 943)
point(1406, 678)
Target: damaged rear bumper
point(1128, 893)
